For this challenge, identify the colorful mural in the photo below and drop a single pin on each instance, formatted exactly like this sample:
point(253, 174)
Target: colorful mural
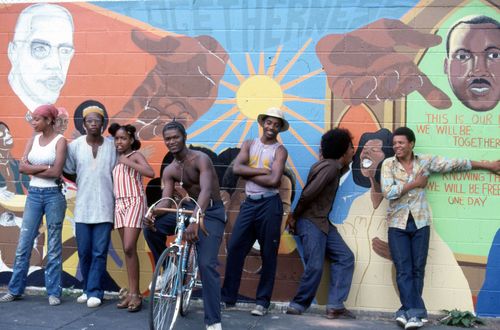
point(215, 65)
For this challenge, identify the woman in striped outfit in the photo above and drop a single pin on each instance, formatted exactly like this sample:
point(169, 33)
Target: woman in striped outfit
point(130, 204)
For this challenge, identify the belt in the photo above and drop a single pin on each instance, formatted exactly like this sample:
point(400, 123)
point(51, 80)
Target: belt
point(257, 197)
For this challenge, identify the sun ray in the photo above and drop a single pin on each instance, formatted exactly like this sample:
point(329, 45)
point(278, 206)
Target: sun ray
point(304, 143)
point(283, 72)
point(272, 66)
point(294, 82)
point(290, 97)
point(251, 69)
point(261, 64)
point(302, 118)
point(235, 122)
point(232, 87)
point(236, 72)
point(215, 121)
point(226, 101)
point(243, 135)
point(292, 166)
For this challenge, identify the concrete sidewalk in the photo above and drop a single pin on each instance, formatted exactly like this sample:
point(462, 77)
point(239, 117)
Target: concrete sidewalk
point(34, 312)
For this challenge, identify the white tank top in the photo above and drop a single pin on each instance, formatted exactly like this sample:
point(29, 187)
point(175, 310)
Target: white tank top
point(45, 155)
point(261, 156)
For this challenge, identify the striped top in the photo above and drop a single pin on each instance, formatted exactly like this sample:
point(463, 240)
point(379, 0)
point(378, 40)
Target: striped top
point(127, 182)
point(261, 156)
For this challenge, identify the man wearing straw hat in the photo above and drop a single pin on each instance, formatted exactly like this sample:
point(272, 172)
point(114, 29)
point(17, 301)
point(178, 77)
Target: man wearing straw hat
point(261, 162)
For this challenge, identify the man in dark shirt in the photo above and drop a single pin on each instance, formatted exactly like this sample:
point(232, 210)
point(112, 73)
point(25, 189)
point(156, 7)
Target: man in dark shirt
point(319, 237)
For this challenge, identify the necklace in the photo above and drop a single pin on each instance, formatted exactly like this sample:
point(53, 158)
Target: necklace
point(181, 165)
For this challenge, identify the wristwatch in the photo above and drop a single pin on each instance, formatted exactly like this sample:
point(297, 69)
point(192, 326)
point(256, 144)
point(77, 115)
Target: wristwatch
point(193, 220)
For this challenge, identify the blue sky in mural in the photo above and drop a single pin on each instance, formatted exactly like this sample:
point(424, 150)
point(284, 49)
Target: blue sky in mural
point(272, 48)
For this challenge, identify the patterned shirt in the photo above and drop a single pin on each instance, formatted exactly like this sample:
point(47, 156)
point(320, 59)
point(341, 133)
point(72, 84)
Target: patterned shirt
point(394, 177)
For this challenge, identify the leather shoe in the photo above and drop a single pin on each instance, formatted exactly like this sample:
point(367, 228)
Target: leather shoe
point(342, 313)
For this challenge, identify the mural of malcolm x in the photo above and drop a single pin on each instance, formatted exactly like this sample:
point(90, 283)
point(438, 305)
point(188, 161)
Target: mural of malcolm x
point(40, 53)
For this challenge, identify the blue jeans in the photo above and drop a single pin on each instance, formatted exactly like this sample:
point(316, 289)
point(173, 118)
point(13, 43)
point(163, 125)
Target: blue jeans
point(258, 220)
point(51, 203)
point(207, 248)
point(92, 241)
point(316, 246)
point(409, 248)
point(157, 238)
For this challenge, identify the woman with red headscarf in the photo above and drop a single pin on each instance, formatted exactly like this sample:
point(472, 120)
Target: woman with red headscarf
point(43, 160)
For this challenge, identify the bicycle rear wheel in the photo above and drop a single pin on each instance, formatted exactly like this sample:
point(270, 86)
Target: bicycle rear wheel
point(165, 295)
point(190, 279)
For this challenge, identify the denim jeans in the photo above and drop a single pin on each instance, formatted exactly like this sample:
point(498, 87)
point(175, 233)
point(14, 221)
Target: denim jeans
point(316, 246)
point(157, 238)
point(409, 248)
point(93, 242)
point(258, 220)
point(51, 203)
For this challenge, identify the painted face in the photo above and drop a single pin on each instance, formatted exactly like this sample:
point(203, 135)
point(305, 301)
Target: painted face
point(93, 124)
point(39, 123)
point(41, 61)
point(401, 146)
point(473, 65)
point(61, 124)
point(371, 156)
point(123, 141)
point(174, 140)
point(272, 127)
point(6, 140)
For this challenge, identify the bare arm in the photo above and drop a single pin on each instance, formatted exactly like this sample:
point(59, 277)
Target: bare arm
point(492, 166)
point(56, 170)
point(241, 167)
point(273, 179)
point(138, 162)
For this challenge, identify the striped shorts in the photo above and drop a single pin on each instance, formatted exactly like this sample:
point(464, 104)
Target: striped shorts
point(129, 211)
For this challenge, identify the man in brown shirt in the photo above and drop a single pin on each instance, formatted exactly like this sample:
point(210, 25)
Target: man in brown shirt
point(318, 236)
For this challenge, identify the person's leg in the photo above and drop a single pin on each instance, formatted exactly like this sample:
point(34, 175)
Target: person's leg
point(101, 234)
point(83, 233)
point(32, 217)
point(419, 251)
point(341, 269)
point(55, 209)
point(268, 226)
point(156, 238)
point(314, 246)
point(400, 247)
point(208, 249)
point(129, 239)
point(240, 243)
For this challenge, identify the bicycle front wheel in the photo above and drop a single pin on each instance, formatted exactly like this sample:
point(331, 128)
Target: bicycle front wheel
point(165, 295)
point(190, 277)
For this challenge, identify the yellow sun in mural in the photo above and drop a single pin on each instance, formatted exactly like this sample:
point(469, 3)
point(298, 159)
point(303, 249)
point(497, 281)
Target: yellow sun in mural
point(260, 90)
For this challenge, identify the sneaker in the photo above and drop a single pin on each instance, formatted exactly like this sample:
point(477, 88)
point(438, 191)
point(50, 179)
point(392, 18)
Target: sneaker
point(82, 299)
point(54, 301)
point(215, 326)
point(342, 313)
point(401, 321)
point(159, 282)
point(293, 311)
point(424, 320)
point(259, 310)
point(414, 323)
point(227, 306)
point(8, 297)
point(93, 302)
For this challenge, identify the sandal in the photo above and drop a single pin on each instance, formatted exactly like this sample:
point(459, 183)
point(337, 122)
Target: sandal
point(124, 302)
point(135, 303)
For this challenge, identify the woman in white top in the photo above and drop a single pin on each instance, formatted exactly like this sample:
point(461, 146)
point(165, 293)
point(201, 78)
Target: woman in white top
point(43, 160)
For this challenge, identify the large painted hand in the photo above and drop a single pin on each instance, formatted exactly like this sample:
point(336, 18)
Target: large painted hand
point(182, 85)
point(375, 63)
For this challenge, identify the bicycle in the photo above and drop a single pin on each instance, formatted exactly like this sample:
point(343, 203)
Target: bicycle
point(176, 272)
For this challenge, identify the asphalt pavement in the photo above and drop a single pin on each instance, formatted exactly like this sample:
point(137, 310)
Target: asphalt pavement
point(33, 312)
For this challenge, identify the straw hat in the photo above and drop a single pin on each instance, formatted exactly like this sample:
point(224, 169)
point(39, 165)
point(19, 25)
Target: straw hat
point(276, 113)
